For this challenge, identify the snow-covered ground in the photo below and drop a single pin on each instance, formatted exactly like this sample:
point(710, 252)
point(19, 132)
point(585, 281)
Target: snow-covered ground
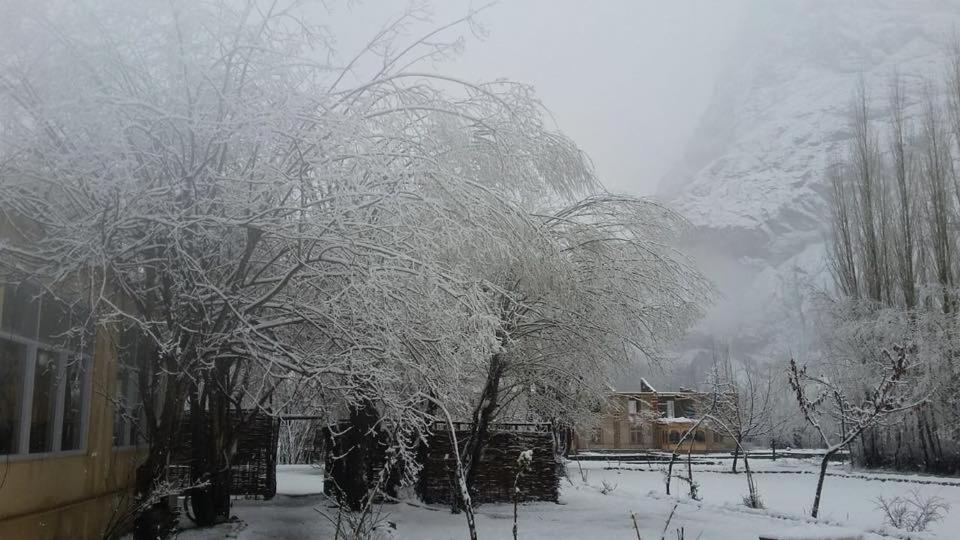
point(848, 509)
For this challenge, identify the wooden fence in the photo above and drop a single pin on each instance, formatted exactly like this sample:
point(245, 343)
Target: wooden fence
point(253, 471)
point(495, 474)
point(498, 465)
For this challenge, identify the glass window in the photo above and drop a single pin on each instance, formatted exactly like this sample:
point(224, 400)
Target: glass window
point(43, 387)
point(120, 408)
point(44, 402)
point(73, 399)
point(674, 437)
point(18, 314)
point(128, 408)
point(666, 408)
point(65, 326)
point(699, 436)
point(636, 434)
point(11, 393)
point(54, 320)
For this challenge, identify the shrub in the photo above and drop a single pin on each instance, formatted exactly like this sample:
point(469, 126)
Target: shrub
point(914, 512)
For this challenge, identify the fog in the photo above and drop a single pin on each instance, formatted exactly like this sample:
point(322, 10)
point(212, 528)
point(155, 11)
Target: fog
point(426, 251)
point(627, 79)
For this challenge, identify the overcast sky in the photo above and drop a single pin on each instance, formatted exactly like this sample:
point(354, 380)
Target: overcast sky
point(626, 79)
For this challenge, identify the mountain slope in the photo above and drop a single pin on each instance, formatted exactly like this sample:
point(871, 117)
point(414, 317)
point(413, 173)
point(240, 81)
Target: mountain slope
point(751, 180)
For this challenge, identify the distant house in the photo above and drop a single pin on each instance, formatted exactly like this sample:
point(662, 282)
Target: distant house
point(647, 419)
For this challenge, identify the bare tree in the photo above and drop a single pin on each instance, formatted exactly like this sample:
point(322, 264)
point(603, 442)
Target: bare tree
point(746, 402)
point(896, 271)
point(842, 253)
point(904, 174)
point(866, 171)
point(936, 173)
point(747, 395)
point(892, 392)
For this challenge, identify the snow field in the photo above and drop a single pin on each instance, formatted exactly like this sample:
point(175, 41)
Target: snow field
point(848, 509)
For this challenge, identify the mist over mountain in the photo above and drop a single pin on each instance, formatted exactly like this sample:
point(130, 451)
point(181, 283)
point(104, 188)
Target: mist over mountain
point(751, 181)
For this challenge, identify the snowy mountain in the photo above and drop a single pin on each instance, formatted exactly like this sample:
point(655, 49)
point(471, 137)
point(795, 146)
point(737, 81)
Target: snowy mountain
point(751, 180)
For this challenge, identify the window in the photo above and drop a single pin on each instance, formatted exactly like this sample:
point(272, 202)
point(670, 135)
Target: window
point(45, 387)
point(666, 408)
point(699, 436)
point(20, 310)
point(71, 435)
point(128, 407)
point(44, 373)
point(632, 406)
point(11, 385)
point(674, 437)
point(636, 434)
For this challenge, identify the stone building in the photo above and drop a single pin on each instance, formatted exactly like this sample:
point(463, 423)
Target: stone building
point(650, 420)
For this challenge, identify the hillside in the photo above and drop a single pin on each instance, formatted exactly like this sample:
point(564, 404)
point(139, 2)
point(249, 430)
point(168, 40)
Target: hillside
point(751, 179)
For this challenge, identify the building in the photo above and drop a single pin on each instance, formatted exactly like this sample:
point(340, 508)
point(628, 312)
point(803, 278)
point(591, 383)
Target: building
point(649, 420)
point(67, 445)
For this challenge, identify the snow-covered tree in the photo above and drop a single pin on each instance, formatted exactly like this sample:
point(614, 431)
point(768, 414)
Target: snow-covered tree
point(893, 255)
point(242, 215)
point(603, 286)
point(200, 174)
point(892, 390)
point(746, 410)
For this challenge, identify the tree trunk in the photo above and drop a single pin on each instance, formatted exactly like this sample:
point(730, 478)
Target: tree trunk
point(937, 451)
point(358, 448)
point(213, 453)
point(692, 486)
point(751, 487)
point(736, 455)
point(823, 474)
point(482, 416)
point(157, 519)
point(673, 457)
point(923, 441)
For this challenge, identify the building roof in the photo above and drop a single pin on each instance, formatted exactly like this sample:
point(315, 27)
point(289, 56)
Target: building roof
point(645, 386)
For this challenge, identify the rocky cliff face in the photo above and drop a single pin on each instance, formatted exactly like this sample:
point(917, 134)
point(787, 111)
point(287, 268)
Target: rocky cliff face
point(752, 179)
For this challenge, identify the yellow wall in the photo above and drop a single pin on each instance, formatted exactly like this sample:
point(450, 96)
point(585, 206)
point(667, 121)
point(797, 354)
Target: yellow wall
point(71, 497)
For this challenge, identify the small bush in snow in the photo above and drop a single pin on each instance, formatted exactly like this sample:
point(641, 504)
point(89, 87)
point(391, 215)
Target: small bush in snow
point(607, 488)
point(913, 512)
point(753, 501)
point(695, 490)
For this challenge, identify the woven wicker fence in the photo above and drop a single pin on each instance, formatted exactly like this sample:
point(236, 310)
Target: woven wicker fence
point(338, 465)
point(253, 471)
point(498, 465)
point(496, 471)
